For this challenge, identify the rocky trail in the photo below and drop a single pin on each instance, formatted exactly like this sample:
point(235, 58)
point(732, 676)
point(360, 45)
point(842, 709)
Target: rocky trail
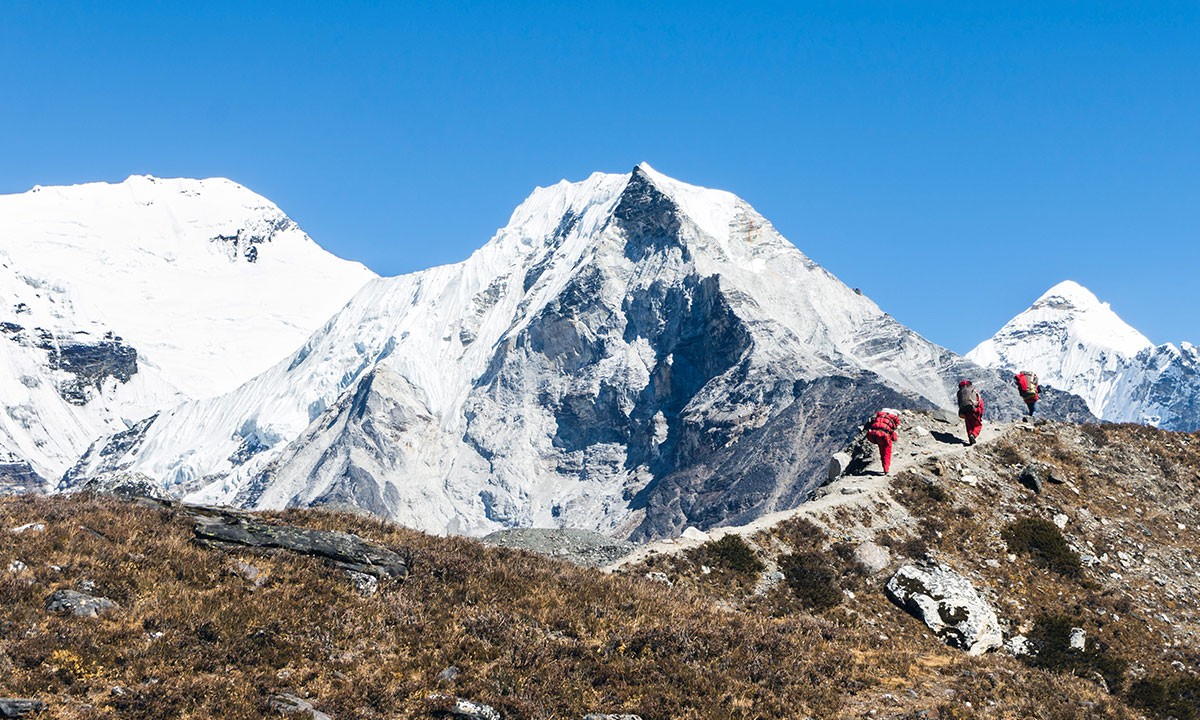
point(922, 435)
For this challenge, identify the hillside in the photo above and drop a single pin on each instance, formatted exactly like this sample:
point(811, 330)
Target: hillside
point(710, 631)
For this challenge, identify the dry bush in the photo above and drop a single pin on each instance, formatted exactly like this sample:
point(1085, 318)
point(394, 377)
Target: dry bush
point(1044, 542)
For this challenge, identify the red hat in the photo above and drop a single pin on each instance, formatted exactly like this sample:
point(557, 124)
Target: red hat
point(964, 383)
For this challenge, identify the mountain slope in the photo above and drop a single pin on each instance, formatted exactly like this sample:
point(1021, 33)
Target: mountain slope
point(1077, 343)
point(630, 354)
point(118, 300)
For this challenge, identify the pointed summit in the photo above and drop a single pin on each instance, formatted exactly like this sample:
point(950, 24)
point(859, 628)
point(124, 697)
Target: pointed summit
point(1070, 338)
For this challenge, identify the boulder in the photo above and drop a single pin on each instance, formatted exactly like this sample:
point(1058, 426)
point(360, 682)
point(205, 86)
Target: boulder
point(78, 604)
point(838, 465)
point(1031, 478)
point(948, 604)
point(288, 704)
point(604, 716)
point(872, 557)
point(19, 707)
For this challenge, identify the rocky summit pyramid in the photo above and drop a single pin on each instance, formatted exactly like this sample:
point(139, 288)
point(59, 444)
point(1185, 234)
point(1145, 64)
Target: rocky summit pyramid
point(1078, 343)
point(630, 354)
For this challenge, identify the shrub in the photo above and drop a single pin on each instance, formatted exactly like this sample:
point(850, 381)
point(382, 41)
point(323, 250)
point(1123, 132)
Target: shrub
point(1050, 641)
point(1177, 696)
point(1044, 542)
point(732, 552)
point(812, 579)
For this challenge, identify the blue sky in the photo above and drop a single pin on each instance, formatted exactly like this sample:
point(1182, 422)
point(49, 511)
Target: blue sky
point(954, 160)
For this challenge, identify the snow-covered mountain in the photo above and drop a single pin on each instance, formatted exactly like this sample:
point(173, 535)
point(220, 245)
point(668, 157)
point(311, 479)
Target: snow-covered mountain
point(121, 300)
point(629, 354)
point(1075, 342)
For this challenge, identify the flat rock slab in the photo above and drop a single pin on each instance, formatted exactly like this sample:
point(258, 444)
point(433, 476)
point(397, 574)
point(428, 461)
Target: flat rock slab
point(582, 547)
point(230, 528)
point(949, 605)
point(20, 707)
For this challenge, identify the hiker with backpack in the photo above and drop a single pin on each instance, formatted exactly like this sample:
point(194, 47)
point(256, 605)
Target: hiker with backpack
point(881, 430)
point(1027, 385)
point(970, 409)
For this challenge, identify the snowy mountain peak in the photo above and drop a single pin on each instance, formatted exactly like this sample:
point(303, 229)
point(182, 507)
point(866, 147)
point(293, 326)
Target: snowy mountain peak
point(121, 299)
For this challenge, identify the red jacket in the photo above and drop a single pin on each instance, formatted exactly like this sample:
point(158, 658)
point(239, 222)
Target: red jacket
point(885, 424)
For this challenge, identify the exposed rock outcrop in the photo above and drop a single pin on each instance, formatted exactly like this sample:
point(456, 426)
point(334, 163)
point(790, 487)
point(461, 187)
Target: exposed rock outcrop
point(948, 604)
point(79, 604)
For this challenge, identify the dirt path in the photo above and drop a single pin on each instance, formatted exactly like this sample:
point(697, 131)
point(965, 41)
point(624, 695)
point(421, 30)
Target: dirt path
point(922, 436)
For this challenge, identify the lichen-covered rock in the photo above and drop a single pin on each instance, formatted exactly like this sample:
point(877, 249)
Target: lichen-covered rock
point(603, 716)
point(19, 707)
point(78, 604)
point(948, 604)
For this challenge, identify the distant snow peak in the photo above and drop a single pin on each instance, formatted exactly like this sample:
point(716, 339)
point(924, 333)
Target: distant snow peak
point(1076, 342)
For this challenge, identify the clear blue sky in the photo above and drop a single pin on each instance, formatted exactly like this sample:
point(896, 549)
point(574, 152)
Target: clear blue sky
point(894, 143)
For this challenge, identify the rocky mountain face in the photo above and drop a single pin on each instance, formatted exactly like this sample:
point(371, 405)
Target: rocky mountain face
point(1077, 343)
point(120, 300)
point(629, 355)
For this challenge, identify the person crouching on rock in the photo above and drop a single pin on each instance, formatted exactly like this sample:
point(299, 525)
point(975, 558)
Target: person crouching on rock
point(881, 430)
point(1027, 385)
point(970, 409)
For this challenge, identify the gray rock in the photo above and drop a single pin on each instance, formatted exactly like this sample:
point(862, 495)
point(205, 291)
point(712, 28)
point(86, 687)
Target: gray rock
point(463, 708)
point(838, 465)
point(948, 604)
point(366, 585)
point(448, 675)
point(1032, 478)
point(604, 716)
point(78, 604)
point(288, 704)
point(19, 707)
point(228, 527)
point(872, 557)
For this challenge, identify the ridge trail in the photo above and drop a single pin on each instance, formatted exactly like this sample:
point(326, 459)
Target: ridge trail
point(923, 435)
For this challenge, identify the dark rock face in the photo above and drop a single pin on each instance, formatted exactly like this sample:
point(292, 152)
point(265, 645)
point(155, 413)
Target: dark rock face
point(104, 455)
point(771, 467)
point(650, 219)
point(90, 364)
point(18, 476)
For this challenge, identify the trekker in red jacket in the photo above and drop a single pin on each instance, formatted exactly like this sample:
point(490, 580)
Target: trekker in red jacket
point(881, 430)
point(970, 409)
point(1027, 385)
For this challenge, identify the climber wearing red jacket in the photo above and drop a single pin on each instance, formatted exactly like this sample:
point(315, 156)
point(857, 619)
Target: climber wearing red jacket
point(970, 409)
point(881, 430)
